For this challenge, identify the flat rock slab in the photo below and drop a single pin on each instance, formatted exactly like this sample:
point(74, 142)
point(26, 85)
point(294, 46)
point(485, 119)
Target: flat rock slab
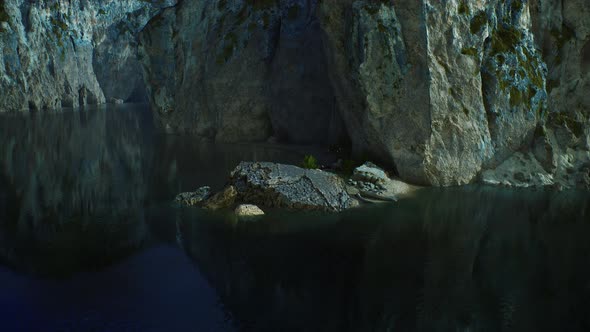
point(287, 186)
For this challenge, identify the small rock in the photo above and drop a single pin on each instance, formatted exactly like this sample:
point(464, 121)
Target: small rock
point(116, 101)
point(369, 172)
point(248, 210)
point(222, 200)
point(195, 197)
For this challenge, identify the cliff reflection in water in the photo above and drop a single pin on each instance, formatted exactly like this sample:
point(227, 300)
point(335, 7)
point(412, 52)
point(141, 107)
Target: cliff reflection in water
point(465, 259)
point(72, 165)
point(72, 186)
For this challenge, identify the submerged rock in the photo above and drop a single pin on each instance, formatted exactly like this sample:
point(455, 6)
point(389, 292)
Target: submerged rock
point(291, 187)
point(195, 197)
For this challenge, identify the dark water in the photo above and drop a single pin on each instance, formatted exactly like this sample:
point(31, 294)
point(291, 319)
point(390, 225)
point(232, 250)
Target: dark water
point(90, 242)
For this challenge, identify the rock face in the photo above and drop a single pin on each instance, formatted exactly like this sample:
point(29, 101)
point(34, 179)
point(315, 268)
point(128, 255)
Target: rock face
point(57, 54)
point(441, 104)
point(291, 187)
point(562, 32)
point(241, 71)
point(440, 91)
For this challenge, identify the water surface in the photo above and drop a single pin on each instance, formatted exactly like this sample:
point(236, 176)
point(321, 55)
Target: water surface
point(90, 242)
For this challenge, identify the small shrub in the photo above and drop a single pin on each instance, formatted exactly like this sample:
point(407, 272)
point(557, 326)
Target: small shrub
point(309, 162)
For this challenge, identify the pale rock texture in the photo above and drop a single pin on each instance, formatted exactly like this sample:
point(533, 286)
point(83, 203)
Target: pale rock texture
point(248, 210)
point(443, 106)
point(291, 187)
point(56, 54)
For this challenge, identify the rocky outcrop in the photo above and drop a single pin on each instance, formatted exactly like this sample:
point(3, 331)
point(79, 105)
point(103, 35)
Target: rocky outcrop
point(56, 54)
point(291, 187)
point(193, 198)
point(440, 92)
point(371, 184)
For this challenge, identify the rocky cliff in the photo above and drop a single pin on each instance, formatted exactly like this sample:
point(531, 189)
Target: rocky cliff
point(56, 53)
point(444, 92)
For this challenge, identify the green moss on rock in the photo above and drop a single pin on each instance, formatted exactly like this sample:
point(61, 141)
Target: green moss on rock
point(472, 51)
point(516, 97)
point(505, 39)
point(463, 8)
point(478, 22)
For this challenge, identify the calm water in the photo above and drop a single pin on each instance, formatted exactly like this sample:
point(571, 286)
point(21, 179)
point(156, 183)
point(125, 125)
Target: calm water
point(90, 242)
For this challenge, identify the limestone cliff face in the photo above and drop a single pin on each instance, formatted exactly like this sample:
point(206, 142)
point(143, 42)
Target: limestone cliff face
point(241, 71)
point(442, 91)
point(57, 54)
point(431, 85)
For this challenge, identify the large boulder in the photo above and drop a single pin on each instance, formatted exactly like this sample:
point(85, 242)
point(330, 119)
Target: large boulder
point(291, 187)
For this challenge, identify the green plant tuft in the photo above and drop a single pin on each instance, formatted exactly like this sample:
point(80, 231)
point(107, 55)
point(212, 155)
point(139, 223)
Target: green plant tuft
point(309, 162)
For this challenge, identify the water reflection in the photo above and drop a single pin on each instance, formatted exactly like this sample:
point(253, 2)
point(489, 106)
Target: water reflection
point(469, 259)
point(84, 203)
point(72, 166)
